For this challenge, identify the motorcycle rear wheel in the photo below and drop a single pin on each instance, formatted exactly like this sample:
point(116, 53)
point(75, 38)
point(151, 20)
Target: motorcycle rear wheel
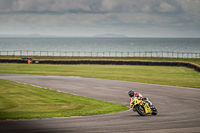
point(140, 109)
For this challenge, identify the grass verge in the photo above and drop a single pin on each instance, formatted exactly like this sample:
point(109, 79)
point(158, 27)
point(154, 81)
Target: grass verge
point(20, 101)
point(174, 76)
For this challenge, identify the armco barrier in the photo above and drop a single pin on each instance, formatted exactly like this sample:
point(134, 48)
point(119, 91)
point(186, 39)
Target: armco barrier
point(107, 62)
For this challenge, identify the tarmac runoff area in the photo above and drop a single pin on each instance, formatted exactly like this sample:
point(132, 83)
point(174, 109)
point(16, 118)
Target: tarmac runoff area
point(178, 107)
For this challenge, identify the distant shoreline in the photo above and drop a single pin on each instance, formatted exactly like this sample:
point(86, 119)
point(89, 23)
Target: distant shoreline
point(96, 36)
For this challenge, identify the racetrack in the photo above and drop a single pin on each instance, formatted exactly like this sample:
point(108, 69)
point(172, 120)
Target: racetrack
point(178, 107)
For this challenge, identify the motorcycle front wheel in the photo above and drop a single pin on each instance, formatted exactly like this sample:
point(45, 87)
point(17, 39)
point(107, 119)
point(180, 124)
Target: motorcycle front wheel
point(140, 109)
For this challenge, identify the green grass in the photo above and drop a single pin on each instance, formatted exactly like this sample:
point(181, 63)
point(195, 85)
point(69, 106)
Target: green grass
point(174, 76)
point(20, 101)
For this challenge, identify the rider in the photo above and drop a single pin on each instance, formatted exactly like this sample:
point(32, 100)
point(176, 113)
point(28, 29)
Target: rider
point(133, 94)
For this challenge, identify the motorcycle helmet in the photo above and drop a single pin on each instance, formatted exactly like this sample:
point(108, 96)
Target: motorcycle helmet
point(131, 93)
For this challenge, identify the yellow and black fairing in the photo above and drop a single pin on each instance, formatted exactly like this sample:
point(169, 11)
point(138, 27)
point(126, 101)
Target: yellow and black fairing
point(138, 102)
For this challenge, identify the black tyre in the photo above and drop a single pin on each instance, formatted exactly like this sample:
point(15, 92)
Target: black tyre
point(154, 111)
point(140, 110)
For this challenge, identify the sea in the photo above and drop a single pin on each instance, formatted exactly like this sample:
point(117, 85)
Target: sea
point(78, 44)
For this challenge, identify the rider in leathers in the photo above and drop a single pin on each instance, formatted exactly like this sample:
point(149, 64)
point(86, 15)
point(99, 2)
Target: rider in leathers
point(133, 94)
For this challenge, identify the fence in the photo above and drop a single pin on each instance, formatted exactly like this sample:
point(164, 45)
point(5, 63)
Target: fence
point(102, 54)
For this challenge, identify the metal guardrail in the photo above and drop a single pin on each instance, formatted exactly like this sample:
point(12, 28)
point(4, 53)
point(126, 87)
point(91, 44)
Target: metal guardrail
point(102, 54)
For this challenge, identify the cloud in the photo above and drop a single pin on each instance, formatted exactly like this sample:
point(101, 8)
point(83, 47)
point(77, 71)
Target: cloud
point(165, 7)
point(49, 6)
point(85, 6)
point(93, 16)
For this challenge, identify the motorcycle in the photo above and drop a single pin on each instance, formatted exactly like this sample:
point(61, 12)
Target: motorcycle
point(142, 107)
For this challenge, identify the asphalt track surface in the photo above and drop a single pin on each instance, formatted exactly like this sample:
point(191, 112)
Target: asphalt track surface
point(178, 107)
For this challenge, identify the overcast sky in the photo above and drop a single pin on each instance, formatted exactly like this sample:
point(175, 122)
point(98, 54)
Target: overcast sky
point(133, 18)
